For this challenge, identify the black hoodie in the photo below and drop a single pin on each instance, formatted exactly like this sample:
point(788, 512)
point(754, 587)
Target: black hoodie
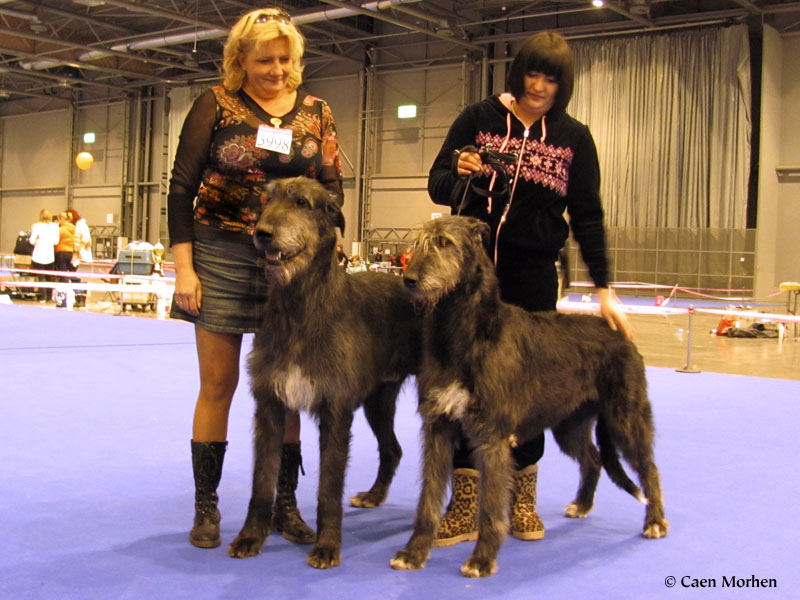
point(558, 170)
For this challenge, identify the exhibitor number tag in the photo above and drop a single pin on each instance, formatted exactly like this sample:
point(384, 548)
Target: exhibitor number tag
point(274, 139)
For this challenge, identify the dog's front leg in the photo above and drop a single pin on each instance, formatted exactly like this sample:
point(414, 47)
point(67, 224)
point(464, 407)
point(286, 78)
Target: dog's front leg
point(379, 410)
point(437, 466)
point(269, 426)
point(494, 464)
point(334, 446)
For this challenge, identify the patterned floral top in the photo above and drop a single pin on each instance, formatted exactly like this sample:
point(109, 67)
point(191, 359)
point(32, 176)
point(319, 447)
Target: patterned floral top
point(558, 171)
point(219, 177)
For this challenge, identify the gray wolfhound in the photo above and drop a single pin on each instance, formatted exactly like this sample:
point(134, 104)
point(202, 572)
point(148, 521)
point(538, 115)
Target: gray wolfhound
point(331, 343)
point(505, 375)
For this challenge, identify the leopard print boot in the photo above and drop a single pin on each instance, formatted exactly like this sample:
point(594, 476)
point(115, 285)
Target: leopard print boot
point(525, 522)
point(460, 522)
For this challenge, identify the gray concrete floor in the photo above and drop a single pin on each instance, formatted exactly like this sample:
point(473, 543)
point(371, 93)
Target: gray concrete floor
point(662, 340)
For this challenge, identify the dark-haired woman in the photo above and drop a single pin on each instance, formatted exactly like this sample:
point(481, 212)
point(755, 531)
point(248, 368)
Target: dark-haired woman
point(555, 169)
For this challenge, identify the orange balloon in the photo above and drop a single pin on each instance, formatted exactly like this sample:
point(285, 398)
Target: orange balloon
point(84, 160)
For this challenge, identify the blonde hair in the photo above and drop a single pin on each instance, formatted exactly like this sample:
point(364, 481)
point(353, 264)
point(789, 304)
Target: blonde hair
point(45, 216)
point(254, 30)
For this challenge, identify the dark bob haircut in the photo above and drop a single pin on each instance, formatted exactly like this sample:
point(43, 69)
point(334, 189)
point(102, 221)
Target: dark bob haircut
point(546, 52)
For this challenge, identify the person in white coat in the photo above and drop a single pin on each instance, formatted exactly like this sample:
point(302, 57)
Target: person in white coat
point(44, 237)
point(83, 236)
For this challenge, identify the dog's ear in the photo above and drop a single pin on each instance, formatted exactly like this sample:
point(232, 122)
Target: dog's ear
point(481, 231)
point(334, 211)
point(272, 187)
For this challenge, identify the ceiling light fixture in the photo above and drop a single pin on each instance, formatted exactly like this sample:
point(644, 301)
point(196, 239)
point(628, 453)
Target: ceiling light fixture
point(406, 111)
point(37, 26)
point(597, 3)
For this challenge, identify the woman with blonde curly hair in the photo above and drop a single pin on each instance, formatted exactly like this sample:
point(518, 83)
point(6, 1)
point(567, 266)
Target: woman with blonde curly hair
point(257, 126)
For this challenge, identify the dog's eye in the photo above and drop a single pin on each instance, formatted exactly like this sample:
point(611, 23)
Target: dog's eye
point(301, 202)
point(443, 242)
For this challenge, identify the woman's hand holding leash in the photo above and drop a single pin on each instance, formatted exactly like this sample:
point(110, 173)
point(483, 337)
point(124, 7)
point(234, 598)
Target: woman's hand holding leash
point(468, 163)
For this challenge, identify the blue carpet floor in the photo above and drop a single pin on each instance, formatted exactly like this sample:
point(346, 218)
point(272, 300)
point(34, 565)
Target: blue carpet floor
point(96, 489)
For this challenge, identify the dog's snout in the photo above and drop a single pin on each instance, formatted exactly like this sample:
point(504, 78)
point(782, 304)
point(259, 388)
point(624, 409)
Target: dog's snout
point(261, 238)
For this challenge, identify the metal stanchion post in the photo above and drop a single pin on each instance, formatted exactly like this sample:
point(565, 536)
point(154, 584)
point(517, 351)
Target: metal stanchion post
point(689, 367)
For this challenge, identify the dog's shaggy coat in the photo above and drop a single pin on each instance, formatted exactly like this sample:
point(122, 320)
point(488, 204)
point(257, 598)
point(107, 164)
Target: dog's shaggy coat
point(505, 375)
point(330, 343)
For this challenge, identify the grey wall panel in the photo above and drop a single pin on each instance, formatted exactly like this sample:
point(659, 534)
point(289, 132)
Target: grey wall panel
point(34, 170)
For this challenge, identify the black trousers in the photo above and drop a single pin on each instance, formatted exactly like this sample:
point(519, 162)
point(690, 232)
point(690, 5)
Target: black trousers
point(530, 283)
point(44, 293)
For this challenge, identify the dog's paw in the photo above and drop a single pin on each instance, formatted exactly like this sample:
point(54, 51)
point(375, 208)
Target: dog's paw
point(245, 546)
point(367, 500)
point(475, 567)
point(575, 511)
point(407, 560)
point(656, 530)
point(324, 557)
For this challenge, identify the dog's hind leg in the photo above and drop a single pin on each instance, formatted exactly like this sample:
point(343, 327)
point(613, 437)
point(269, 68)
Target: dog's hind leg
point(574, 437)
point(379, 410)
point(494, 463)
point(437, 465)
point(334, 446)
point(655, 525)
point(634, 437)
point(635, 443)
point(641, 460)
point(269, 419)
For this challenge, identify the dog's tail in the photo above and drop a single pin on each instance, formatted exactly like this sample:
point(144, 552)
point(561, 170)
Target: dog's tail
point(610, 459)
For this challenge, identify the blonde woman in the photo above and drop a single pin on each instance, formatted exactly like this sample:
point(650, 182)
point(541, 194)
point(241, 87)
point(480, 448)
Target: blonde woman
point(44, 237)
point(257, 126)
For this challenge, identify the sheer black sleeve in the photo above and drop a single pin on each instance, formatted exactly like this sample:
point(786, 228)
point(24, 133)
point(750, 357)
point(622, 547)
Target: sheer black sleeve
point(330, 174)
point(190, 162)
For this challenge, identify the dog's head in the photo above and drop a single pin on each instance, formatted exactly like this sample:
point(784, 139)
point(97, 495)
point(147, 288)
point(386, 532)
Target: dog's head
point(445, 253)
point(297, 227)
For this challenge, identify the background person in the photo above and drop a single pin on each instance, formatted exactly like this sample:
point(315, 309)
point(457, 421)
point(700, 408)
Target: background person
point(83, 245)
point(341, 257)
point(555, 168)
point(66, 256)
point(220, 284)
point(65, 248)
point(356, 265)
point(405, 258)
point(44, 237)
point(83, 236)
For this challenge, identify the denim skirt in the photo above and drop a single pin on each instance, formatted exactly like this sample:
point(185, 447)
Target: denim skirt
point(234, 286)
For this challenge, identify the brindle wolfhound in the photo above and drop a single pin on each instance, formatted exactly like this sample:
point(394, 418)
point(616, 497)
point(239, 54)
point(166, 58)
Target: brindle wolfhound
point(505, 375)
point(331, 342)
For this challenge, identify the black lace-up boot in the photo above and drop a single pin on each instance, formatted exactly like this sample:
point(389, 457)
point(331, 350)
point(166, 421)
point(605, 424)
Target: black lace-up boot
point(207, 460)
point(286, 517)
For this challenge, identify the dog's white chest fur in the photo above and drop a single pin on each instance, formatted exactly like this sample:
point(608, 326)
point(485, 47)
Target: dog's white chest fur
point(451, 401)
point(295, 389)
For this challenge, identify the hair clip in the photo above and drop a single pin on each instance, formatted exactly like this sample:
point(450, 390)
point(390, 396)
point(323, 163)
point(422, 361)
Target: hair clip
point(279, 15)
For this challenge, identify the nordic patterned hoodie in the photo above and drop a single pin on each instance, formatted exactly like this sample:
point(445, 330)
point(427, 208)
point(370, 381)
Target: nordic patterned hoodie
point(556, 169)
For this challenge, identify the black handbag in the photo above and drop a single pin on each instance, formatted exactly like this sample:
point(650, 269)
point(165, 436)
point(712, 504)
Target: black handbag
point(23, 245)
